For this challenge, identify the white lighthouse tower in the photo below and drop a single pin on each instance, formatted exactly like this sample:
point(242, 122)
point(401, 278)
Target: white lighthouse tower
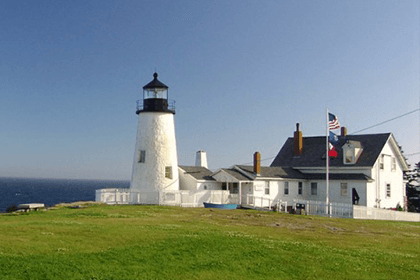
point(155, 165)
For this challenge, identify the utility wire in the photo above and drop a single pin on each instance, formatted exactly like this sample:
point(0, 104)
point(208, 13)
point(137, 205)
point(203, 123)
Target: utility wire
point(260, 160)
point(418, 109)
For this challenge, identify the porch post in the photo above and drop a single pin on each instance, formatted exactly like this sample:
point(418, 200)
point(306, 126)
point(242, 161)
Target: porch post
point(240, 193)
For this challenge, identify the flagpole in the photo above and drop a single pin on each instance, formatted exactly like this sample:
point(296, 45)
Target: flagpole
point(327, 166)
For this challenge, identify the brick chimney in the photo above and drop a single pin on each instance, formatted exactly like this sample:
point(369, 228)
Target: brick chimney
point(343, 131)
point(297, 141)
point(257, 163)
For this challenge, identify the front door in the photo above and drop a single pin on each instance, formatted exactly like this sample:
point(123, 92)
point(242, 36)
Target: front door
point(247, 192)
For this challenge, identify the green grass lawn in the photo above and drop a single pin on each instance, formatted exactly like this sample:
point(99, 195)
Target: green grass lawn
point(157, 242)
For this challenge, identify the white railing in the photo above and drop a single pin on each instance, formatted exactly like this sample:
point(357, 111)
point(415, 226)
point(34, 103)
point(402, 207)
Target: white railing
point(183, 198)
point(263, 202)
point(334, 209)
point(126, 196)
point(368, 213)
point(194, 198)
point(308, 207)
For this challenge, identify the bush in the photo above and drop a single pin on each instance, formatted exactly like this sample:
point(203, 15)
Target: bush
point(11, 208)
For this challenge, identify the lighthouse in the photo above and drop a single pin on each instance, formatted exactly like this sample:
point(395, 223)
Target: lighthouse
point(155, 164)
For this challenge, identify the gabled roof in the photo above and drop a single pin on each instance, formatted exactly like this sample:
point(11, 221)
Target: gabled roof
point(273, 172)
point(313, 152)
point(198, 172)
point(234, 173)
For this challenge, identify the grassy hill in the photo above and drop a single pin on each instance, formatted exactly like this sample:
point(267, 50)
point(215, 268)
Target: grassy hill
point(157, 242)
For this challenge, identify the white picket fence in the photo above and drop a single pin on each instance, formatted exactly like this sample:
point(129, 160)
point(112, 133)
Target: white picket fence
point(260, 202)
point(183, 198)
point(126, 196)
point(368, 213)
point(196, 199)
point(335, 210)
point(308, 207)
point(320, 208)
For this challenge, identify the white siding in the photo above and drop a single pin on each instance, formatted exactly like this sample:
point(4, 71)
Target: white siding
point(392, 177)
point(335, 191)
point(188, 182)
point(208, 185)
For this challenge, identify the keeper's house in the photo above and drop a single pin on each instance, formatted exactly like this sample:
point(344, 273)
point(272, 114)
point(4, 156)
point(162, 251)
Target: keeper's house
point(368, 169)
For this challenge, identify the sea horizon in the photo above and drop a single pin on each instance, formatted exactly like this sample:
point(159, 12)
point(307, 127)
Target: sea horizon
point(51, 191)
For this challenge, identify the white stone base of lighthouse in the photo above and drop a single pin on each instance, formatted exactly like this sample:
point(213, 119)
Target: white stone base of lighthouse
point(155, 164)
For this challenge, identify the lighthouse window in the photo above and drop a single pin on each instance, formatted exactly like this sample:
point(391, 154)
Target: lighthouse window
point(142, 156)
point(168, 172)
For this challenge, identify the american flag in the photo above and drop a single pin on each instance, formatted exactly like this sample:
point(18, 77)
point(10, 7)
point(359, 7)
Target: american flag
point(333, 122)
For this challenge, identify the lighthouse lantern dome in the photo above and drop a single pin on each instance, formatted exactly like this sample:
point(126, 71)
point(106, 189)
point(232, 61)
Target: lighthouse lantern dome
point(155, 89)
point(155, 98)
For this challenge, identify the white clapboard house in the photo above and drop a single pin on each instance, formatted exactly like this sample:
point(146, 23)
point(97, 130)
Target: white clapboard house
point(368, 171)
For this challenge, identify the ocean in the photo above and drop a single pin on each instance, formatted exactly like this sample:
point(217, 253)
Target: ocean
point(51, 191)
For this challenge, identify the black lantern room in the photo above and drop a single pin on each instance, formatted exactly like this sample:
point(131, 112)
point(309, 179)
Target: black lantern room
point(155, 98)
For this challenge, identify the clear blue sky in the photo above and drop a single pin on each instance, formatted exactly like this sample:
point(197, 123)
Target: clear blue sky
point(243, 73)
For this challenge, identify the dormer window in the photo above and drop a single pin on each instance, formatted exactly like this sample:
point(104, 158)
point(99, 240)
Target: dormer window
point(351, 152)
point(349, 156)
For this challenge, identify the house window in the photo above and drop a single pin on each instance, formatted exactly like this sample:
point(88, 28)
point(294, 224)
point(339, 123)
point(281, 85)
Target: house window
point(393, 164)
point(388, 190)
point(205, 187)
point(142, 156)
point(224, 186)
point(381, 162)
point(267, 188)
point(300, 188)
point(349, 156)
point(286, 188)
point(343, 189)
point(168, 172)
point(314, 188)
point(235, 188)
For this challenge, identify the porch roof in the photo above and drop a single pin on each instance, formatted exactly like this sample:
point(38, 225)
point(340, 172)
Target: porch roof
point(290, 173)
point(274, 172)
point(198, 172)
point(339, 176)
point(235, 174)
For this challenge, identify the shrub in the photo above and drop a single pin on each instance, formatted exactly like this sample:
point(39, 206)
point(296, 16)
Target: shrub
point(11, 208)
